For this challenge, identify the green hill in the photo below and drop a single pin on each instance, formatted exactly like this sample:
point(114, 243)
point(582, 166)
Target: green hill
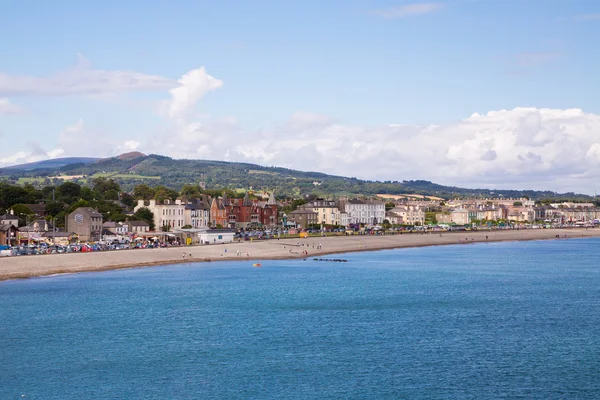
point(134, 168)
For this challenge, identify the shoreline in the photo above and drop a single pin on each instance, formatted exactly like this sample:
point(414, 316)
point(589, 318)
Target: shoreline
point(24, 267)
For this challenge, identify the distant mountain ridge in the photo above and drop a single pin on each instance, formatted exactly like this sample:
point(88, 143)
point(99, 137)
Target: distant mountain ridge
point(133, 168)
point(50, 164)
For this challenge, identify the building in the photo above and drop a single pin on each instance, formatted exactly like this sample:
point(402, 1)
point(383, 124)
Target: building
point(86, 223)
point(410, 215)
point(197, 213)
point(8, 235)
point(9, 219)
point(364, 211)
point(460, 216)
point(39, 210)
point(137, 226)
point(244, 213)
point(110, 227)
point(60, 238)
point(443, 218)
point(167, 214)
point(34, 231)
point(302, 218)
point(393, 218)
point(328, 212)
point(206, 236)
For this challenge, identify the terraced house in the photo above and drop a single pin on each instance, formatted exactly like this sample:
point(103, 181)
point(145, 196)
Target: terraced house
point(369, 212)
point(244, 213)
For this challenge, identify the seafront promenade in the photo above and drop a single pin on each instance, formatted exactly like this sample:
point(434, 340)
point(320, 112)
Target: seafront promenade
point(20, 267)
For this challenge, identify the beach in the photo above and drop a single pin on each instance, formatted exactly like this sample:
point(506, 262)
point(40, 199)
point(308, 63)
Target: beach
point(20, 267)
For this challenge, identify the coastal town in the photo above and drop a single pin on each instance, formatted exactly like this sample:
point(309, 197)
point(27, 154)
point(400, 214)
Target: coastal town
point(217, 218)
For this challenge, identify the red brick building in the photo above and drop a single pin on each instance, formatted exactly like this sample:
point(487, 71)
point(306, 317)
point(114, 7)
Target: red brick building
point(244, 213)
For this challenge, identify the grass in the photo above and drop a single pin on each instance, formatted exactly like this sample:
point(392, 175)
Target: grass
point(122, 176)
point(258, 172)
point(32, 180)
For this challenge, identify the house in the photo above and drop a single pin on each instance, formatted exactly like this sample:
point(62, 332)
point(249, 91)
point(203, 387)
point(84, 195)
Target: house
point(110, 228)
point(60, 238)
point(167, 214)
point(364, 211)
point(410, 215)
point(218, 212)
point(34, 231)
point(443, 218)
point(460, 216)
point(9, 219)
point(86, 222)
point(302, 218)
point(328, 212)
point(138, 226)
point(8, 234)
point(244, 213)
point(38, 209)
point(197, 213)
point(393, 218)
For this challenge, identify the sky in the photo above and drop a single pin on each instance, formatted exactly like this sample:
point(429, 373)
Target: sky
point(473, 93)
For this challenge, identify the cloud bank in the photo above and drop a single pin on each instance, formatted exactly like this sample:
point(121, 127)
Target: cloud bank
point(7, 108)
point(537, 148)
point(79, 80)
point(408, 10)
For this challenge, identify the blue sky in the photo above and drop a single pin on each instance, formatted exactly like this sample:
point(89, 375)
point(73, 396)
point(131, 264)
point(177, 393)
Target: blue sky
point(355, 66)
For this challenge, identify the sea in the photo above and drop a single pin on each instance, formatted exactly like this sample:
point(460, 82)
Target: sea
point(511, 320)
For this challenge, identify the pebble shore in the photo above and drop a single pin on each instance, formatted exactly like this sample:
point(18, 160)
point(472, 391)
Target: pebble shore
point(21, 267)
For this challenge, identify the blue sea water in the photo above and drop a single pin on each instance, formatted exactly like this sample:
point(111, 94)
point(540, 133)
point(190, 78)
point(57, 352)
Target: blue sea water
point(482, 321)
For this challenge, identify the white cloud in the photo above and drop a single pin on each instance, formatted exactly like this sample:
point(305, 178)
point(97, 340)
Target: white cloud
point(192, 87)
point(81, 79)
point(587, 17)
point(555, 149)
point(520, 148)
point(406, 10)
point(73, 141)
point(7, 108)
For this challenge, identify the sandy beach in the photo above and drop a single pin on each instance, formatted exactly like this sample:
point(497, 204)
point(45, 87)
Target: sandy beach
point(32, 266)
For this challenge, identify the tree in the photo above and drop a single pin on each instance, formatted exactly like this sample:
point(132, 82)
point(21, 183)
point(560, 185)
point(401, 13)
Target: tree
point(389, 205)
point(144, 214)
point(430, 217)
point(106, 189)
point(518, 204)
point(68, 192)
point(54, 207)
point(76, 205)
point(127, 199)
point(143, 192)
point(87, 193)
point(191, 191)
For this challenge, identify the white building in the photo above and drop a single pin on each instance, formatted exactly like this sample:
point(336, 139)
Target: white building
point(364, 211)
point(205, 236)
point(166, 214)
